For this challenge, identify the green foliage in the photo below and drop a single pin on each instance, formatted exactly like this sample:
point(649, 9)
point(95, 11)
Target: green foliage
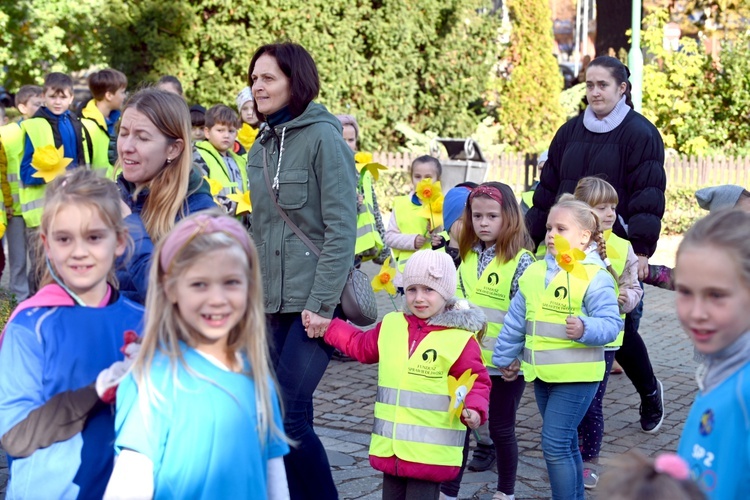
point(682, 210)
point(700, 106)
point(40, 36)
point(392, 183)
point(421, 62)
point(571, 100)
point(529, 110)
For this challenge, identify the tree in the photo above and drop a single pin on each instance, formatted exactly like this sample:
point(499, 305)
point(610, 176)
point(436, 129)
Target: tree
point(40, 36)
point(527, 97)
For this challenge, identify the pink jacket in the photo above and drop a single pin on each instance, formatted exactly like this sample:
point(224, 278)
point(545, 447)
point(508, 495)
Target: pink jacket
point(363, 346)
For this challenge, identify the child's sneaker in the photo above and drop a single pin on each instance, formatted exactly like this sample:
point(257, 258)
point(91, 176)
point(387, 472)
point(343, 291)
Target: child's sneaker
point(652, 410)
point(590, 476)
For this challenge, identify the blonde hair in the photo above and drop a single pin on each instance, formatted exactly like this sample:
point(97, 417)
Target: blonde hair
point(595, 191)
point(585, 217)
point(169, 188)
point(165, 327)
point(726, 229)
point(80, 187)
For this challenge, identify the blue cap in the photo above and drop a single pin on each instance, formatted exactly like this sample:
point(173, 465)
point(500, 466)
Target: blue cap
point(454, 204)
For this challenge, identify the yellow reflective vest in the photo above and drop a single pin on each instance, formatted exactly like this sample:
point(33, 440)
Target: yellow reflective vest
point(368, 237)
point(40, 134)
point(12, 138)
point(548, 354)
point(96, 126)
point(618, 259)
point(491, 292)
point(411, 410)
point(218, 170)
point(3, 215)
point(411, 221)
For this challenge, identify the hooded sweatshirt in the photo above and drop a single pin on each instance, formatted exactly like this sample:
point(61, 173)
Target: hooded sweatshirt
point(363, 346)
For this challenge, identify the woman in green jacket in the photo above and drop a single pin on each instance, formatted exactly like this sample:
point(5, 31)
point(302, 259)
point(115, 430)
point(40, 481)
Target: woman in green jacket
point(300, 158)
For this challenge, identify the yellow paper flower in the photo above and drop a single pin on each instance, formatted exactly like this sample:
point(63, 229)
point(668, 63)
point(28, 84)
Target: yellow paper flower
point(364, 163)
point(611, 252)
point(569, 259)
point(214, 185)
point(362, 159)
point(2, 229)
point(458, 389)
point(435, 207)
point(428, 191)
point(243, 202)
point(49, 162)
point(384, 279)
point(246, 136)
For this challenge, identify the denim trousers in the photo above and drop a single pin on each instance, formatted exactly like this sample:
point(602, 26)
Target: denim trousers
point(300, 363)
point(563, 406)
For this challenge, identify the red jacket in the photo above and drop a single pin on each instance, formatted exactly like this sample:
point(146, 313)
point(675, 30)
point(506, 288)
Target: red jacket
point(363, 346)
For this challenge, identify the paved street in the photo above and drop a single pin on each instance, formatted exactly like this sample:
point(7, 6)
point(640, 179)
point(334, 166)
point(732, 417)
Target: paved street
point(345, 398)
point(344, 407)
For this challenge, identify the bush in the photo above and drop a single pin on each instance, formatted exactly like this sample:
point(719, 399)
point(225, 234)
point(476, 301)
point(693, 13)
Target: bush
point(392, 183)
point(682, 210)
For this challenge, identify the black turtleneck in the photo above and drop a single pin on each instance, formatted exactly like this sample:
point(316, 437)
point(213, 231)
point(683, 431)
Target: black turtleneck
point(281, 116)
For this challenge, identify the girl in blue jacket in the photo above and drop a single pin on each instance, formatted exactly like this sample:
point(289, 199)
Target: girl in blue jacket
point(557, 324)
point(712, 280)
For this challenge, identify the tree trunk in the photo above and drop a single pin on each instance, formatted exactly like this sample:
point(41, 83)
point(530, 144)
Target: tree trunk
point(612, 21)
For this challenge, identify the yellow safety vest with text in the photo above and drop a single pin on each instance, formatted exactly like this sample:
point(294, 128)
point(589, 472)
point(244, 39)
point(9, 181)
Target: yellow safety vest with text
point(411, 221)
point(618, 259)
point(93, 121)
point(218, 170)
point(12, 137)
point(491, 292)
point(411, 410)
point(548, 353)
point(368, 236)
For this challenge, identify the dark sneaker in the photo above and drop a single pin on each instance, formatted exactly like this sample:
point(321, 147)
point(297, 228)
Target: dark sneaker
point(590, 477)
point(652, 410)
point(483, 458)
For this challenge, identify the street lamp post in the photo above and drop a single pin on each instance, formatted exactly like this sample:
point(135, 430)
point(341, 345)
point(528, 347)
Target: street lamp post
point(635, 57)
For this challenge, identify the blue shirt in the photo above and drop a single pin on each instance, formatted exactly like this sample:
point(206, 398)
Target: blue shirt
point(715, 441)
point(49, 350)
point(203, 436)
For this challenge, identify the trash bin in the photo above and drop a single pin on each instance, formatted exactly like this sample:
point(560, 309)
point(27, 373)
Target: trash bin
point(465, 161)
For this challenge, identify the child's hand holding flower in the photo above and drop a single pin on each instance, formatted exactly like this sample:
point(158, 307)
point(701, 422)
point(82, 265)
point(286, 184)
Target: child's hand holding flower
point(573, 327)
point(471, 418)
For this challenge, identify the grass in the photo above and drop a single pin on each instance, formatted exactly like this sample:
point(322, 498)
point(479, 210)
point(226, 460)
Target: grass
point(7, 304)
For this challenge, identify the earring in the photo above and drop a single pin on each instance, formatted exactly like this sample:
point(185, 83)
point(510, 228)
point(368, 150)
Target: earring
point(169, 160)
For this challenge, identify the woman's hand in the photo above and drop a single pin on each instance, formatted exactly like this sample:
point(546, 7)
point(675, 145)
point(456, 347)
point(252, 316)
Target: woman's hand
point(315, 325)
point(510, 373)
point(642, 267)
point(573, 327)
point(471, 418)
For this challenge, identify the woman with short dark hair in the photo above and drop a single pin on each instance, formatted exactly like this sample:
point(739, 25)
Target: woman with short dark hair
point(300, 160)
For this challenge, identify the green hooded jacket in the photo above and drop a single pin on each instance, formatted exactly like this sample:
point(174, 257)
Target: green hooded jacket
point(317, 189)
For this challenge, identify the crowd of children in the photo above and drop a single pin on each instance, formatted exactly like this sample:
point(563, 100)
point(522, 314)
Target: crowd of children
point(482, 317)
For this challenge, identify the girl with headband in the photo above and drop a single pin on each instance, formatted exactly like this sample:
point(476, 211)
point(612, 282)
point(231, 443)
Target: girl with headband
point(494, 248)
point(198, 416)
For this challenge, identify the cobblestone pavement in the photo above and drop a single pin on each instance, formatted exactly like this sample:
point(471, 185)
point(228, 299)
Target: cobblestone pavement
point(345, 398)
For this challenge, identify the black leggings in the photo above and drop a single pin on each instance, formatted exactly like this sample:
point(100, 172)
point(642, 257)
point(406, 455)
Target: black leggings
point(633, 355)
point(407, 488)
point(504, 400)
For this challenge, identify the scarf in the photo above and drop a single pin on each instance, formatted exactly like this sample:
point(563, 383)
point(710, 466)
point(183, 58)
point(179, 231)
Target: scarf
point(609, 122)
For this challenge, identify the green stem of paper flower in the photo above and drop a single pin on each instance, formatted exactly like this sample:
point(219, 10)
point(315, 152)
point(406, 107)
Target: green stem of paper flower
point(570, 306)
point(395, 308)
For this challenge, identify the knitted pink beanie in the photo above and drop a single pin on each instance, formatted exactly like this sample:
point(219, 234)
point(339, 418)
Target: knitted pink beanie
point(433, 269)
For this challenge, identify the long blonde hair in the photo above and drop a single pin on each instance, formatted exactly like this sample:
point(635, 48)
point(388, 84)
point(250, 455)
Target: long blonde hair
point(85, 188)
point(165, 327)
point(169, 188)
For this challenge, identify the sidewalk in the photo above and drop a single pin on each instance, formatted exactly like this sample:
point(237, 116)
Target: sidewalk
point(345, 398)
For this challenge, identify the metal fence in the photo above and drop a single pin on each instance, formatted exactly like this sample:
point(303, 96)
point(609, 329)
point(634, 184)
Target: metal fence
point(517, 169)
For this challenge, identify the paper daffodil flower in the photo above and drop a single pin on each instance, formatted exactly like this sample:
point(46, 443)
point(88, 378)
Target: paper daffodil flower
point(384, 279)
point(214, 185)
point(243, 202)
point(2, 229)
point(458, 389)
point(428, 191)
point(569, 259)
point(365, 164)
point(434, 207)
point(611, 252)
point(49, 162)
point(246, 136)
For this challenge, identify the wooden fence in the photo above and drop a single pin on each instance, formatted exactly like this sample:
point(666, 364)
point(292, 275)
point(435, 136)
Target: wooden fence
point(682, 171)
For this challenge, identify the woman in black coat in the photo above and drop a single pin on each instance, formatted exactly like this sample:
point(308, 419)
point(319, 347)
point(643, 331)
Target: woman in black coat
point(612, 141)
